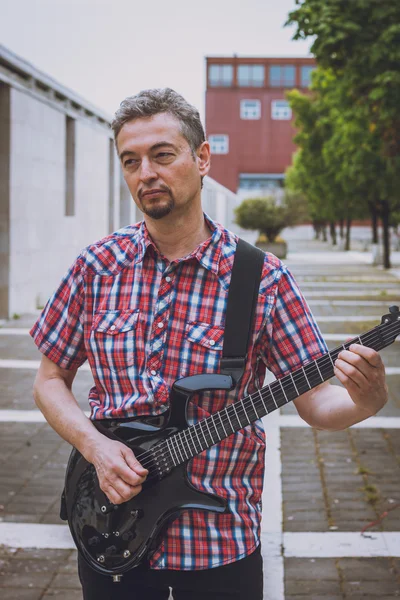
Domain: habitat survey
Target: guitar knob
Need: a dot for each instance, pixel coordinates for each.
(93, 541)
(394, 310)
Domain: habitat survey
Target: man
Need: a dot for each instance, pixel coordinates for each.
(146, 306)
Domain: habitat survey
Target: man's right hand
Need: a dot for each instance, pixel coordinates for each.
(120, 474)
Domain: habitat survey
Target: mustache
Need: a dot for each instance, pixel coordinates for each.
(162, 188)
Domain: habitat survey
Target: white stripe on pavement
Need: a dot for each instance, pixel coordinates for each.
(14, 331)
(340, 544)
(358, 303)
(371, 423)
(272, 520)
(343, 337)
(345, 318)
(391, 292)
(34, 535)
(326, 544)
(29, 364)
(24, 416)
(271, 423)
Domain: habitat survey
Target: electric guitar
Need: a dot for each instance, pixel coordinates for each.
(115, 538)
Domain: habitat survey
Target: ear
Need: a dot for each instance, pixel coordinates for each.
(204, 158)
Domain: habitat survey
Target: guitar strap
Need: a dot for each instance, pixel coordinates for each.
(242, 301)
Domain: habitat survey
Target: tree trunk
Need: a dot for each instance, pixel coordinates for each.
(332, 228)
(374, 217)
(386, 234)
(324, 234)
(341, 225)
(348, 229)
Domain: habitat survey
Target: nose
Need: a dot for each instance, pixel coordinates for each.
(147, 172)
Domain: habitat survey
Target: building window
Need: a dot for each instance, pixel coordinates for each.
(251, 75)
(250, 109)
(219, 144)
(280, 110)
(306, 75)
(220, 75)
(70, 127)
(282, 75)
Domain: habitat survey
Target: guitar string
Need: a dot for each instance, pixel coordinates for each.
(177, 442)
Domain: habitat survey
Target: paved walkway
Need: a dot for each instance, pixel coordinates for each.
(321, 489)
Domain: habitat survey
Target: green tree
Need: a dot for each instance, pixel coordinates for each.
(358, 42)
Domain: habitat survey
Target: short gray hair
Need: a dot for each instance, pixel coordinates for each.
(161, 100)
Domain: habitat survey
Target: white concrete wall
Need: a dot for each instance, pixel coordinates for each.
(43, 240)
(219, 203)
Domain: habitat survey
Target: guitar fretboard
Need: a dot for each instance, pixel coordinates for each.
(193, 440)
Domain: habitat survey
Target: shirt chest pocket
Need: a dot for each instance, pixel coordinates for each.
(114, 338)
(204, 343)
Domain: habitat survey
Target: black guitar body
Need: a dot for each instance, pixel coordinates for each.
(113, 539)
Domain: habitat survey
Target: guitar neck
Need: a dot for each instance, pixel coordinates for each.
(193, 440)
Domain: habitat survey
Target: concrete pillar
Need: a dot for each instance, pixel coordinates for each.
(5, 126)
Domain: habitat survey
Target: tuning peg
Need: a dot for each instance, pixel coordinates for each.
(394, 310)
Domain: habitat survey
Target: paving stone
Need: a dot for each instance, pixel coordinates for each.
(17, 388)
(21, 594)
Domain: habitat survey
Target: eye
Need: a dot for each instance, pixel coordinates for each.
(129, 162)
(164, 154)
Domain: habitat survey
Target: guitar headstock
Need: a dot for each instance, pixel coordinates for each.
(392, 321)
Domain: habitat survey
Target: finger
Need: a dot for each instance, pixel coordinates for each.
(122, 490)
(354, 361)
(113, 496)
(370, 355)
(360, 374)
(124, 473)
(351, 386)
(133, 463)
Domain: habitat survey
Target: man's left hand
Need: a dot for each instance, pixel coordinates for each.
(361, 371)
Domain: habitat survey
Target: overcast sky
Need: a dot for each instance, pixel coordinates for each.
(106, 50)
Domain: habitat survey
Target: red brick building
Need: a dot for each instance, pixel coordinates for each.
(249, 121)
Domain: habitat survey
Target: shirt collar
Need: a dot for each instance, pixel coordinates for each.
(208, 253)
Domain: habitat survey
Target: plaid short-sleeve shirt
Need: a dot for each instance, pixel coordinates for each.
(143, 322)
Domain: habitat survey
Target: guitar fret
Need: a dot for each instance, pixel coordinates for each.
(359, 339)
(190, 438)
(230, 422)
(330, 358)
(273, 397)
(262, 400)
(316, 364)
(215, 427)
(198, 439)
(209, 431)
(283, 390)
(246, 415)
(182, 438)
(305, 375)
(170, 451)
(222, 423)
(254, 408)
(295, 386)
(177, 437)
(239, 421)
(202, 433)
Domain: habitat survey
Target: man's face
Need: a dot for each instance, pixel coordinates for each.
(158, 165)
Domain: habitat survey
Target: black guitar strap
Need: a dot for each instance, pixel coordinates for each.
(242, 301)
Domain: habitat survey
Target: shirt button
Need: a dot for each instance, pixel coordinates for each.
(112, 327)
(168, 279)
(153, 372)
(212, 342)
(160, 325)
